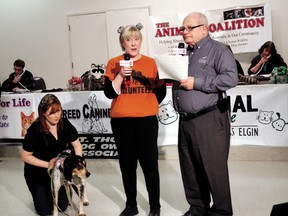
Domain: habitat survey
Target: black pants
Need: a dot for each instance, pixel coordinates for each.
(203, 153)
(280, 209)
(42, 197)
(136, 140)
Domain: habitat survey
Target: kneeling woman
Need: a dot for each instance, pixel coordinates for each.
(48, 136)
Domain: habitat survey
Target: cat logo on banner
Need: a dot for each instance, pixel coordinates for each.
(26, 122)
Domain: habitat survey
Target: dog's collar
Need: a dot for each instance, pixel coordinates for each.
(60, 162)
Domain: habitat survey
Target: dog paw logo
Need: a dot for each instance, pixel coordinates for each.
(265, 117)
(167, 114)
(94, 123)
(279, 123)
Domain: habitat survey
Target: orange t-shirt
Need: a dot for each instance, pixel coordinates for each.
(135, 100)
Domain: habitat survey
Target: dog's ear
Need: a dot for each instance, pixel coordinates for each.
(72, 152)
(79, 158)
(72, 162)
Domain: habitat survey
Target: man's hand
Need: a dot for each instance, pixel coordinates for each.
(16, 89)
(188, 83)
(16, 79)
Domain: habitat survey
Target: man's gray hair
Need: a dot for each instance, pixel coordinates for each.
(202, 17)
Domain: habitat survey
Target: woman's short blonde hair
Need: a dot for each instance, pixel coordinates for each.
(127, 32)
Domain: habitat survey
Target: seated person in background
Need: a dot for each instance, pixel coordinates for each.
(267, 59)
(19, 79)
(241, 76)
(239, 67)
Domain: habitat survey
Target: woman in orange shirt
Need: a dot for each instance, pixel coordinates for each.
(136, 91)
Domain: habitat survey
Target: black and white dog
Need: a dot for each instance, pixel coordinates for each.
(70, 169)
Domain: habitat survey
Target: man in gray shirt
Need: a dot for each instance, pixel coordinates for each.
(204, 126)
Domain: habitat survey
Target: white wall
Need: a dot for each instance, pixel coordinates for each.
(37, 30)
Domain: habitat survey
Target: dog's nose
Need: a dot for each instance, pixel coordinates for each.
(88, 174)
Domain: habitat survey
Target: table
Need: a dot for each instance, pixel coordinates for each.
(258, 115)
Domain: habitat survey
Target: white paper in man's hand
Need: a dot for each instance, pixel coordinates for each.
(173, 67)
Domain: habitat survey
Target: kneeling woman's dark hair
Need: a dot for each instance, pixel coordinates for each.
(47, 102)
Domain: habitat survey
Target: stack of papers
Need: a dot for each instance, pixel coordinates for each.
(173, 67)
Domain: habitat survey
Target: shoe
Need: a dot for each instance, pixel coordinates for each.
(129, 211)
(154, 212)
(188, 213)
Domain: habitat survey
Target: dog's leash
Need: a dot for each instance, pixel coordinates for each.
(67, 189)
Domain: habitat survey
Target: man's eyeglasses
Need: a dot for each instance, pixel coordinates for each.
(18, 69)
(189, 28)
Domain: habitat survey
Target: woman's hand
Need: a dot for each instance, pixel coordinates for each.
(264, 59)
(29, 158)
(52, 163)
(125, 71)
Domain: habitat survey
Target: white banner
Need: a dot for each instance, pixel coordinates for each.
(163, 34)
(88, 111)
(17, 112)
(168, 121)
(245, 29)
(259, 116)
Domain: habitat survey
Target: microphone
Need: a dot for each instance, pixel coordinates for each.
(183, 50)
(180, 50)
(127, 62)
(181, 45)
